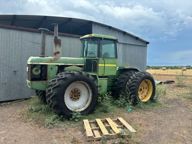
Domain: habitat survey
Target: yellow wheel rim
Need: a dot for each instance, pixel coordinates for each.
(145, 90)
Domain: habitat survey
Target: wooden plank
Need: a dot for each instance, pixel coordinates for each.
(88, 130)
(128, 126)
(113, 126)
(97, 134)
(102, 127)
(107, 126)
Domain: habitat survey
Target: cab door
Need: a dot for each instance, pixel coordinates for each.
(108, 57)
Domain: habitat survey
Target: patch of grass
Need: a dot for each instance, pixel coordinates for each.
(180, 81)
(161, 91)
(44, 116)
(41, 114)
(104, 106)
(76, 116)
(188, 95)
(147, 105)
(122, 101)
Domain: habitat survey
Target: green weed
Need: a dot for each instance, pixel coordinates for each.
(52, 120)
(41, 114)
(76, 116)
(105, 104)
(123, 101)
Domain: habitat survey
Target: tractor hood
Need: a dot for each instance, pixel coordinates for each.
(53, 61)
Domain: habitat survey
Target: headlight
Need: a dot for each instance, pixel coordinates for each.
(36, 70)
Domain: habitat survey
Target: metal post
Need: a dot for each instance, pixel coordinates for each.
(43, 37)
(55, 30)
(57, 43)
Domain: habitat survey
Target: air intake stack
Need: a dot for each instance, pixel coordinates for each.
(43, 37)
(57, 43)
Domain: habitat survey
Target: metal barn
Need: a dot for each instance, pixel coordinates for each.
(20, 38)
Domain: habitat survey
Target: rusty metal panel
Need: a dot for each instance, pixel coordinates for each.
(15, 48)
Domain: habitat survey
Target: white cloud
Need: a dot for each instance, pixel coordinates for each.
(85, 4)
(150, 18)
(160, 22)
(135, 18)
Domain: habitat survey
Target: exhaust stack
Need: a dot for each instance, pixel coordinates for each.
(43, 37)
(57, 43)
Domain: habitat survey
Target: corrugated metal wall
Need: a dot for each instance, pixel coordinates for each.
(132, 56)
(131, 51)
(71, 46)
(15, 48)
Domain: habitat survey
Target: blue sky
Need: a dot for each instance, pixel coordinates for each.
(166, 24)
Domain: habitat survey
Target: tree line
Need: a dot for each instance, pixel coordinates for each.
(169, 67)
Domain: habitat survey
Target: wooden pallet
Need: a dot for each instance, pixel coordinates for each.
(106, 128)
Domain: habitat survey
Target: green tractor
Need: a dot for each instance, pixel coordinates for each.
(70, 85)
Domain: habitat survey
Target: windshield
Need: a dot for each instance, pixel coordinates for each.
(90, 48)
(94, 47)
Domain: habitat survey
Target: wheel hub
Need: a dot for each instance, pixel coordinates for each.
(75, 94)
(78, 96)
(145, 90)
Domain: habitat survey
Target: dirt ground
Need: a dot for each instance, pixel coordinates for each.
(170, 122)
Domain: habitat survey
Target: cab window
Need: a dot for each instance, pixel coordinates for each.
(108, 49)
(90, 48)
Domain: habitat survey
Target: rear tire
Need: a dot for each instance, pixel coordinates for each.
(119, 86)
(141, 88)
(72, 92)
(41, 95)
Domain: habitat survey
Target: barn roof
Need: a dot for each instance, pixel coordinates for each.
(67, 25)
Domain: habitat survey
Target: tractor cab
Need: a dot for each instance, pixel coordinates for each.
(100, 53)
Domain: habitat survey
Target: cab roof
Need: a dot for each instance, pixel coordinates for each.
(98, 36)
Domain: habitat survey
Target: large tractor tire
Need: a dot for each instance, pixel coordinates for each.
(141, 87)
(119, 84)
(72, 92)
(41, 95)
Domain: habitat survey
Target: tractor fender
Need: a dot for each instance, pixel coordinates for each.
(121, 70)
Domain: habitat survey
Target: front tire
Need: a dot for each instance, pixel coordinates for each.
(72, 92)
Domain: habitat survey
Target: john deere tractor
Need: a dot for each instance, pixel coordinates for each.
(70, 84)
